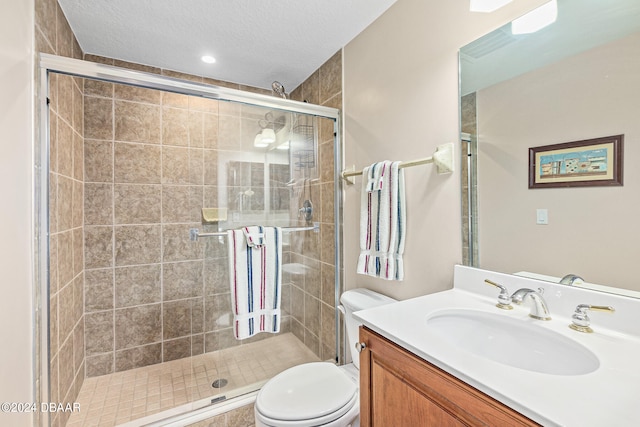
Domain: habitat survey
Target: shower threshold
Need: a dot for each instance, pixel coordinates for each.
(146, 395)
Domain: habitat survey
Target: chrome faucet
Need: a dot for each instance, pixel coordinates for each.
(504, 300)
(570, 279)
(539, 308)
(580, 320)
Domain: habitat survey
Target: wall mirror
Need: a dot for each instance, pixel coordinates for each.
(576, 79)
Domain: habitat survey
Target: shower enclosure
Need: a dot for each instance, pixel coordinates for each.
(134, 309)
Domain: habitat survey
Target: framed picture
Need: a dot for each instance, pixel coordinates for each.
(587, 163)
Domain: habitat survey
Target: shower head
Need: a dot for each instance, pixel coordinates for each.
(279, 89)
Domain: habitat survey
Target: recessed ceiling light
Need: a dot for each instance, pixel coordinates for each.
(208, 59)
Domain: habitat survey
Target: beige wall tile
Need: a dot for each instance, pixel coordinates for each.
(176, 319)
(210, 167)
(217, 312)
(98, 290)
(196, 129)
(137, 326)
(176, 204)
(99, 332)
(137, 122)
(100, 364)
(137, 244)
(65, 203)
(98, 118)
(312, 314)
(98, 88)
(78, 156)
(182, 280)
(98, 209)
(137, 285)
(175, 165)
(331, 77)
(210, 130)
(176, 349)
(78, 251)
(65, 258)
(196, 167)
(98, 161)
(77, 213)
(137, 94)
(65, 98)
(176, 245)
(175, 100)
(98, 244)
(65, 365)
(137, 163)
(137, 357)
(65, 148)
(175, 126)
(137, 204)
(216, 276)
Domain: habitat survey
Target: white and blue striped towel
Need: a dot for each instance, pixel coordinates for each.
(382, 221)
(255, 273)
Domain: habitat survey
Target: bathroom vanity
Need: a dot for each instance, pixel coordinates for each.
(400, 389)
(454, 358)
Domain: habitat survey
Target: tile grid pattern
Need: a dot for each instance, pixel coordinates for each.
(313, 293)
(151, 294)
(124, 396)
(53, 35)
(66, 327)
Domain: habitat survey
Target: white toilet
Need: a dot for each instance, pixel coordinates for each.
(320, 393)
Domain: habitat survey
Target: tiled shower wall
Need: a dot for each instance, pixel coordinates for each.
(66, 326)
(151, 164)
(313, 294)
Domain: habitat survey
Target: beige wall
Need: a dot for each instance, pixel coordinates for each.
(16, 128)
(401, 101)
(593, 231)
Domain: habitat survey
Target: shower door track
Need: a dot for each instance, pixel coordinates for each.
(85, 69)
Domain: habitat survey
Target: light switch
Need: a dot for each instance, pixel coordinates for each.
(542, 217)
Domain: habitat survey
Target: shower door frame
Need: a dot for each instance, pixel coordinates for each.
(91, 70)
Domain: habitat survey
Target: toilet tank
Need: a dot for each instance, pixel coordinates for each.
(355, 300)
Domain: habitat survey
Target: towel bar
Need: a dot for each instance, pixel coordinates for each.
(442, 157)
(194, 233)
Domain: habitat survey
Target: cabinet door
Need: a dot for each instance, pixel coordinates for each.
(399, 389)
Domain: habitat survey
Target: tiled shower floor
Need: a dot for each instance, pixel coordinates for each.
(117, 398)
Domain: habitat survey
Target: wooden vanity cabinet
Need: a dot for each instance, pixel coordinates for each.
(399, 389)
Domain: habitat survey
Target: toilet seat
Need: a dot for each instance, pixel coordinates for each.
(307, 395)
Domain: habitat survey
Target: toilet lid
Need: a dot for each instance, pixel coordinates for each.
(307, 391)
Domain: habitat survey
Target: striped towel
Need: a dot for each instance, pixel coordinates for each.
(382, 221)
(255, 273)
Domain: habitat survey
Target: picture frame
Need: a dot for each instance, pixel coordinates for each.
(586, 163)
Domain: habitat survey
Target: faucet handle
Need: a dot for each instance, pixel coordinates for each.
(581, 320)
(504, 300)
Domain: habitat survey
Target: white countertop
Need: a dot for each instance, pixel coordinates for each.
(608, 396)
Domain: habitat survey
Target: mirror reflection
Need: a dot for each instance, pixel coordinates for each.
(576, 79)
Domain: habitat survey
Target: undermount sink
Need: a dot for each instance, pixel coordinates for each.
(512, 342)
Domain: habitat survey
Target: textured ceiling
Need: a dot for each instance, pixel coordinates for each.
(254, 41)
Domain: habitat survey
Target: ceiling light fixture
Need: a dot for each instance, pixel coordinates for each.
(268, 135)
(486, 5)
(208, 59)
(258, 142)
(537, 19)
